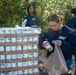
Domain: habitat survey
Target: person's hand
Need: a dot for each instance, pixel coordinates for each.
(57, 42)
(34, 26)
(44, 44)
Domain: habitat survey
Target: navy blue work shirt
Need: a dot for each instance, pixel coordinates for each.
(66, 35)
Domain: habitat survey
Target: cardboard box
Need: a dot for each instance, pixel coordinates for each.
(21, 45)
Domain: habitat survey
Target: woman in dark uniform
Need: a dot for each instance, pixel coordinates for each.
(62, 35)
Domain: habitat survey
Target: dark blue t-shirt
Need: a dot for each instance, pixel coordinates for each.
(72, 23)
(33, 20)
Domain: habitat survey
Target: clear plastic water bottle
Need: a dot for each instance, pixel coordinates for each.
(24, 23)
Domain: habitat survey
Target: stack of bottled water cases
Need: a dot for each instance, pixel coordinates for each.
(15, 58)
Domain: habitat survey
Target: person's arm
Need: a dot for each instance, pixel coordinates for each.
(65, 46)
(42, 39)
(68, 46)
(39, 22)
(71, 25)
(74, 30)
(34, 26)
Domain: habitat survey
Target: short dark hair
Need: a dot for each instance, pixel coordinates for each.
(54, 17)
(33, 7)
(73, 10)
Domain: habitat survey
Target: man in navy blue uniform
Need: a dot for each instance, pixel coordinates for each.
(72, 24)
(61, 35)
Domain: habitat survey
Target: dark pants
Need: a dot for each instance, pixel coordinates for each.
(75, 64)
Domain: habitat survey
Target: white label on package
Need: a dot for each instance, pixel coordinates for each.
(7, 31)
(19, 48)
(14, 64)
(2, 57)
(31, 71)
(20, 72)
(18, 31)
(35, 38)
(8, 48)
(8, 56)
(8, 65)
(14, 73)
(29, 38)
(25, 63)
(8, 39)
(24, 39)
(1, 48)
(13, 48)
(14, 56)
(24, 30)
(36, 70)
(7, 73)
(19, 64)
(19, 56)
(13, 39)
(19, 39)
(35, 54)
(25, 71)
(2, 39)
(30, 55)
(25, 47)
(35, 62)
(13, 32)
(30, 63)
(35, 47)
(3, 65)
(25, 55)
(2, 31)
(29, 47)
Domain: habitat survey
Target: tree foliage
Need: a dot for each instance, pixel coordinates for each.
(13, 11)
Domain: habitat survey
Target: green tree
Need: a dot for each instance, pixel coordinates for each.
(13, 11)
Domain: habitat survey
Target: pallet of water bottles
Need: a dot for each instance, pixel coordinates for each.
(19, 51)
